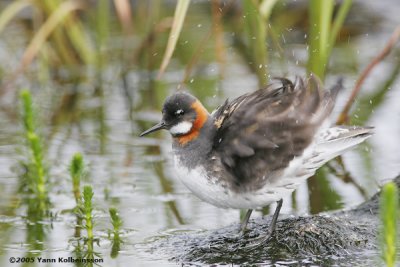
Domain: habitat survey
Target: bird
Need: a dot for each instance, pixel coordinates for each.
(258, 148)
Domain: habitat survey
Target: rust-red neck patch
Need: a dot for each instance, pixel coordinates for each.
(201, 118)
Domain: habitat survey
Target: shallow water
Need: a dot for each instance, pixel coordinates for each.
(136, 175)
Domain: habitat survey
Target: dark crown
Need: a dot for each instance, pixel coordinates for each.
(178, 101)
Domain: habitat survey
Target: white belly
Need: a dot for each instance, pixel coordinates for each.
(216, 193)
(210, 190)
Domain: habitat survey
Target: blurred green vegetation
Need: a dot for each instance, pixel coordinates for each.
(83, 42)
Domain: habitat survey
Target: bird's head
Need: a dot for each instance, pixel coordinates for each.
(183, 116)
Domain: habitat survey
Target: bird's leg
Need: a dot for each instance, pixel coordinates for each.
(245, 221)
(236, 237)
(271, 229)
(272, 226)
(243, 226)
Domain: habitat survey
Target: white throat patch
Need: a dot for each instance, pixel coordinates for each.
(181, 128)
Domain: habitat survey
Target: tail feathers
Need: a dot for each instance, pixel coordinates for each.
(334, 141)
(330, 143)
(338, 133)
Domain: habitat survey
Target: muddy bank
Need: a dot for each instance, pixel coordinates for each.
(330, 237)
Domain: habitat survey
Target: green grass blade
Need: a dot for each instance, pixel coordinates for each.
(11, 11)
(77, 36)
(323, 33)
(319, 39)
(389, 214)
(256, 29)
(339, 20)
(57, 17)
(73, 27)
(102, 22)
(179, 17)
(266, 7)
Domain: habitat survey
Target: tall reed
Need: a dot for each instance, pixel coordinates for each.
(179, 17)
(323, 33)
(256, 29)
(56, 28)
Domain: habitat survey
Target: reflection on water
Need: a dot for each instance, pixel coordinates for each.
(102, 121)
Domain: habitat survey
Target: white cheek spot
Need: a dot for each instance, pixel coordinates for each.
(179, 112)
(181, 128)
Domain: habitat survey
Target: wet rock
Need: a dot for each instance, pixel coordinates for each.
(319, 239)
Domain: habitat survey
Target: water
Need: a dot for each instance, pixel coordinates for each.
(136, 175)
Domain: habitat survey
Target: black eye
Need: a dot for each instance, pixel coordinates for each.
(179, 112)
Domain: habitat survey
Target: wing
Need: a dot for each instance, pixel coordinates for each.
(259, 133)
